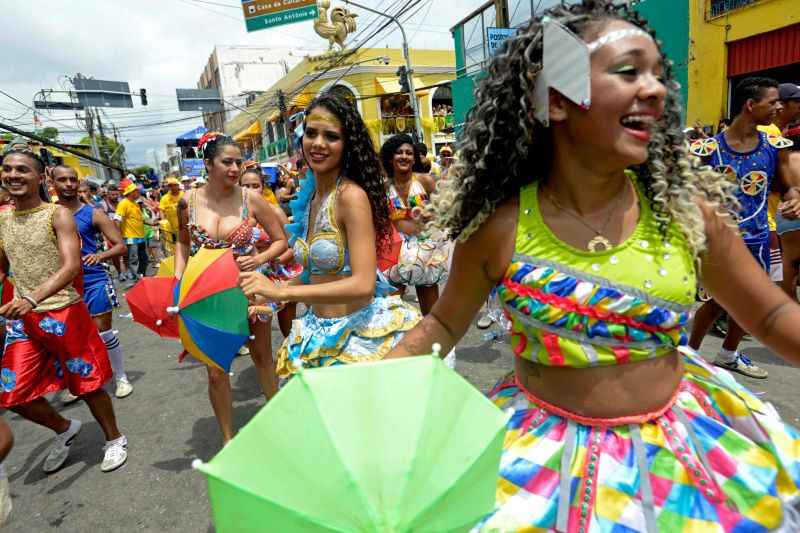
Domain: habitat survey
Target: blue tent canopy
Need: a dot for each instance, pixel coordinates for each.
(190, 138)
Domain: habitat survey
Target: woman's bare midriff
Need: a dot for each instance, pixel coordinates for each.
(604, 392)
(336, 310)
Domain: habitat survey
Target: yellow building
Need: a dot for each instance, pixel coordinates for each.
(734, 39)
(83, 167)
(369, 78)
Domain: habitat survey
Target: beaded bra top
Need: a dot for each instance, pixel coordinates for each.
(242, 239)
(417, 198)
(575, 308)
(320, 246)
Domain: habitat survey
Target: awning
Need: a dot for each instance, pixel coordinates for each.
(253, 131)
(190, 138)
(275, 116)
(392, 85)
(301, 100)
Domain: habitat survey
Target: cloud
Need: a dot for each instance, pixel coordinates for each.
(160, 45)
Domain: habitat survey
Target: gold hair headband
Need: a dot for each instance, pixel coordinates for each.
(329, 119)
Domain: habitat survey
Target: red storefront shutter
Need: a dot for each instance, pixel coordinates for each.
(765, 51)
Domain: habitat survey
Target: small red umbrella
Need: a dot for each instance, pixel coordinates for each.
(149, 300)
(389, 254)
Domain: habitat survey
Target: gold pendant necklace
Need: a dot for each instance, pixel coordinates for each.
(599, 243)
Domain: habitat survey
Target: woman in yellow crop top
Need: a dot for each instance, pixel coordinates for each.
(340, 213)
(590, 221)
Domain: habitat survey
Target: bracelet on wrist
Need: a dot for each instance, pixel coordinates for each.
(31, 301)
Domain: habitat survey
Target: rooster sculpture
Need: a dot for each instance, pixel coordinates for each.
(342, 23)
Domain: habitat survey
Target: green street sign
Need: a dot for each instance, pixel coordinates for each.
(273, 17)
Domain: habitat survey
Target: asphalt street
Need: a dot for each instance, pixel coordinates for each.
(169, 422)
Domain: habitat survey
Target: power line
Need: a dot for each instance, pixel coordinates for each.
(61, 147)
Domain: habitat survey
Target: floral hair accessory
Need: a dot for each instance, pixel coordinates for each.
(208, 136)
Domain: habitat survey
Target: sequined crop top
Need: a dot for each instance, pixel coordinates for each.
(242, 239)
(417, 198)
(580, 309)
(325, 252)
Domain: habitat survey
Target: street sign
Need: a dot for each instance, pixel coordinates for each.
(193, 167)
(206, 100)
(263, 14)
(495, 37)
(44, 104)
(102, 93)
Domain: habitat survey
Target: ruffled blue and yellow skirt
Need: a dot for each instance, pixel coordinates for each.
(366, 335)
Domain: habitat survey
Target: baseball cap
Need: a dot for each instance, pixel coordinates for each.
(129, 189)
(789, 91)
(173, 181)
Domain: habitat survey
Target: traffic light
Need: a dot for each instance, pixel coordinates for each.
(143, 95)
(402, 73)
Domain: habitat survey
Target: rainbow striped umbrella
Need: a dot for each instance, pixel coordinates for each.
(211, 308)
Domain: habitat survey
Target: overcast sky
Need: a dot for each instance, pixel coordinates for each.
(159, 45)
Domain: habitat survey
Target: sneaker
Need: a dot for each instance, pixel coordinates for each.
(743, 365)
(59, 450)
(124, 388)
(485, 321)
(5, 497)
(116, 453)
(66, 397)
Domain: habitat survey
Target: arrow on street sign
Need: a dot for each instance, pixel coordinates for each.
(263, 14)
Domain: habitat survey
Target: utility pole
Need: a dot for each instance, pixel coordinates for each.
(98, 170)
(283, 109)
(119, 147)
(156, 161)
(418, 134)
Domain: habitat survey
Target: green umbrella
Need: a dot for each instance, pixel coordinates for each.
(394, 446)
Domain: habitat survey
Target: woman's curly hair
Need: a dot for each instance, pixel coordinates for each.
(492, 167)
(389, 149)
(360, 162)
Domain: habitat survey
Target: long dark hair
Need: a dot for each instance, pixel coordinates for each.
(360, 162)
(389, 149)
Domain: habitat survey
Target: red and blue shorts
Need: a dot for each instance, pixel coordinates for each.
(49, 351)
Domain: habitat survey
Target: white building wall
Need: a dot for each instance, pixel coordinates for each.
(251, 68)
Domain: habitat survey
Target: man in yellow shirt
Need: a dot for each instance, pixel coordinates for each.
(169, 207)
(131, 223)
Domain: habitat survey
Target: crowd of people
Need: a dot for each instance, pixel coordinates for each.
(582, 209)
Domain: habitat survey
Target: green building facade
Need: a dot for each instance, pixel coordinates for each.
(669, 18)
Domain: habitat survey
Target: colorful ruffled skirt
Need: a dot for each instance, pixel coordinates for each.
(366, 335)
(422, 261)
(715, 459)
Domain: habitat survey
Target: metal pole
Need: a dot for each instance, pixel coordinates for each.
(413, 96)
(103, 139)
(93, 142)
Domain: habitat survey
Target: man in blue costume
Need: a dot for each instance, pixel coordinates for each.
(753, 159)
(98, 291)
